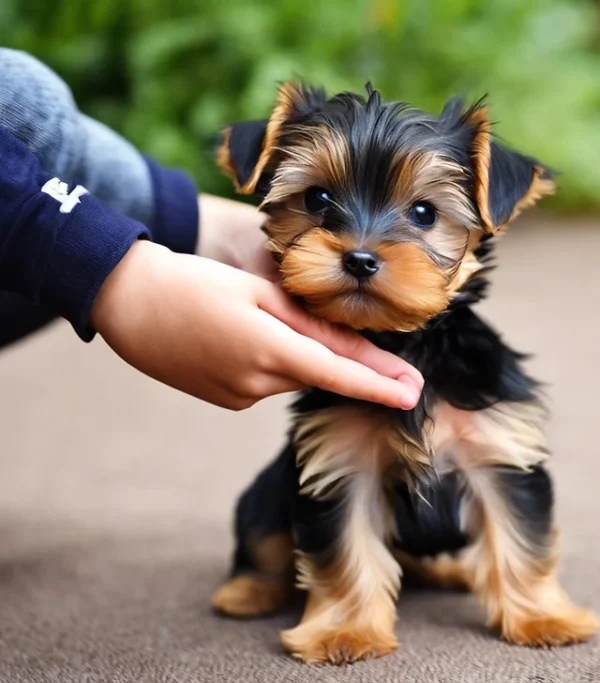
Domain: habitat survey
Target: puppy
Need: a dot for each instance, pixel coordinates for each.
(382, 218)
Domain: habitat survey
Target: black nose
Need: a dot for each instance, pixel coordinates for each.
(361, 263)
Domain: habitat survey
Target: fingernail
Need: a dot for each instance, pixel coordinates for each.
(410, 397)
(415, 383)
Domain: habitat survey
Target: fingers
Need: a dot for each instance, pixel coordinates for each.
(312, 364)
(342, 341)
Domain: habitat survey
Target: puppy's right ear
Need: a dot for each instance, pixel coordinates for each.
(239, 153)
(249, 149)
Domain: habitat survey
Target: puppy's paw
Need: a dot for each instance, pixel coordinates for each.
(338, 646)
(249, 595)
(444, 571)
(574, 626)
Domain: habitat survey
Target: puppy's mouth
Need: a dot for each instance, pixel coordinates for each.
(385, 287)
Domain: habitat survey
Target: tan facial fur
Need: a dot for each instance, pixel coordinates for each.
(408, 290)
(419, 267)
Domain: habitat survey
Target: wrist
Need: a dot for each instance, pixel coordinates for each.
(215, 226)
(226, 224)
(118, 301)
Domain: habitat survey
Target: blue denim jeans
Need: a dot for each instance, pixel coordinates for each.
(38, 107)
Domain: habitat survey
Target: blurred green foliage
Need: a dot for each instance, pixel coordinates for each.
(169, 73)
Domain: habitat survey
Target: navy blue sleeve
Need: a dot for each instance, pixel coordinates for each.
(175, 219)
(57, 242)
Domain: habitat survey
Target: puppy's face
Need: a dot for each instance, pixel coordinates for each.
(374, 209)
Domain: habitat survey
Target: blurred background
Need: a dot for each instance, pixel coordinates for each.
(116, 493)
(169, 74)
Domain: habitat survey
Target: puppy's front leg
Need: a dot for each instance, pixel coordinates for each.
(508, 514)
(342, 525)
(352, 579)
(514, 555)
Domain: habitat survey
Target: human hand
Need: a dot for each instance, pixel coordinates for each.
(231, 234)
(231, 338)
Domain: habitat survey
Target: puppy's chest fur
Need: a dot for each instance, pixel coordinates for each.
(478, 408)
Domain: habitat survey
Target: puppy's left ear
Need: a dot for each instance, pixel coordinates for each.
(249, 149)
(505, 182)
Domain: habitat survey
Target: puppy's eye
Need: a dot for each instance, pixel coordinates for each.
(422, 214)
(316, 199)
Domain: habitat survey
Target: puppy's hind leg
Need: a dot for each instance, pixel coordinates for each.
(261, 580)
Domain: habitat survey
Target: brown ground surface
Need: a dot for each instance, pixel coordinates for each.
(116, 497)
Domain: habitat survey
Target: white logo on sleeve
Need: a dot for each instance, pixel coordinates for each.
(60, 191)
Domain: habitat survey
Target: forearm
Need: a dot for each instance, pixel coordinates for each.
(57, 243)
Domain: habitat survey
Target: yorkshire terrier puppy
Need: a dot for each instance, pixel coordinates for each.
(381, 217)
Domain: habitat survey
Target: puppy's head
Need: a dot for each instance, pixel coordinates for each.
(375, 209)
